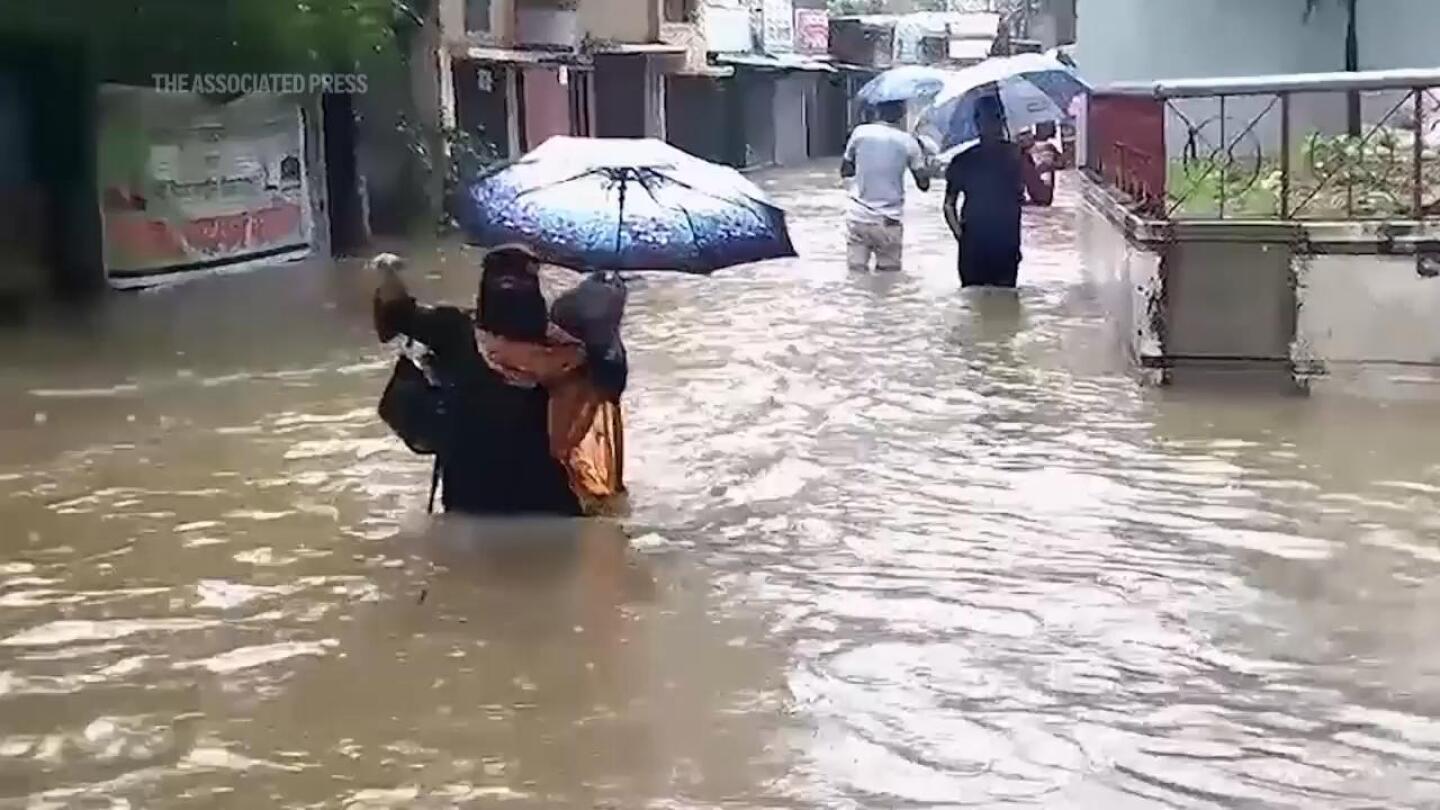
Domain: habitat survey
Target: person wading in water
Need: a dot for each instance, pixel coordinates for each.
(534, 423)
(995, 176)
(877, 157)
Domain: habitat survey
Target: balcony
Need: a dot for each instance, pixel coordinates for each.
(550, 24)
(1288, 225)
(1273, 148)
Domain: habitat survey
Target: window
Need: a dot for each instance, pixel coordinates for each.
(677, 11)
(477, 15)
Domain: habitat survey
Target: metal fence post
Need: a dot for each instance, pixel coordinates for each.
(1224, 157)
(1419, 192)
(1285, 155)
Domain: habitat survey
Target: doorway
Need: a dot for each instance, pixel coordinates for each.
(342, 176)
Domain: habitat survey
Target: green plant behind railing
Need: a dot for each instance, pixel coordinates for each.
(1331, 177)
(1197, 187)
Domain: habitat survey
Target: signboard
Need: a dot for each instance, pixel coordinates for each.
(727, 29)
(185, 182)
(974, 26)
(970, 51)
(778, 26)
(812, 31)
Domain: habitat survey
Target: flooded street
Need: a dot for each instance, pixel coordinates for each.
(892, 546)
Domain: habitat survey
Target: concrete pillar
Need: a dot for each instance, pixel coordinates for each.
(654, 99)
(432, 87)
(313, 117)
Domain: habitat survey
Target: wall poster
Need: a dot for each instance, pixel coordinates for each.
(186, 182)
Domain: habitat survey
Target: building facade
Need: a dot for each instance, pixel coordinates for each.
(757, 87)
(109, 182)
(1139, 41)
(514, 73)
(1146, 40)
(1232, 223)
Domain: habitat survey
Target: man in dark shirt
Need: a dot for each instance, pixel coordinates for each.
(995, 176)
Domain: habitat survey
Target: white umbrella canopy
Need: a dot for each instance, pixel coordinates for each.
(1033, 89)
(904, 83)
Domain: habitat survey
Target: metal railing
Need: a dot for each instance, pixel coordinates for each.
(1272, 147)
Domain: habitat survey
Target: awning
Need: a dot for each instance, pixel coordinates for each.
(652, 48)
(846, 67)
(706, 72)
(517, 56)
(760, 61)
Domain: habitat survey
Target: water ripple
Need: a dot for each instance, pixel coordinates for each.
(895, 546)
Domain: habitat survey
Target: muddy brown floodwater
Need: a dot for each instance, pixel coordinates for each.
(893, 546)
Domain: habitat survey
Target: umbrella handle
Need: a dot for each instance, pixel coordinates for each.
(620, 219)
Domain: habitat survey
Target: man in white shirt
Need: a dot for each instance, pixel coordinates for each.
(877, 157)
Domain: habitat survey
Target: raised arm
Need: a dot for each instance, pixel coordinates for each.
(397, 313)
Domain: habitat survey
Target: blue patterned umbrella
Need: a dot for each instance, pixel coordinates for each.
(625, 204)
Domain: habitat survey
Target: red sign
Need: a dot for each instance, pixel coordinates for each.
(161, 241)
(812, 30)
(185, 181)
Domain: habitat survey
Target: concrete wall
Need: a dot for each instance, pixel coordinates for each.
(539, 24)
(1230, 298)
(1367, 327)
(1367, 308)
(1147, 40)
(1126, 278)
(621, 20)
(1143, 40)
(1399, 34)
(399, 192)
(451, 14)
(313, 118)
